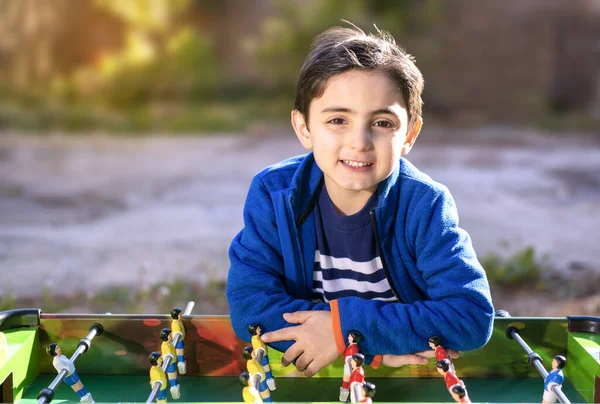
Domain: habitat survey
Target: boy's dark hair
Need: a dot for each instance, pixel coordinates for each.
(459, 389)
(356, 336)
(339, 50)
(435, 340)
(51, 349)
(444, 364)
(561, 361)
(358, 358)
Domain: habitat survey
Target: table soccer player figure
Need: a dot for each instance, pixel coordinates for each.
(255, 370)
(249, 393)
(444, 367)
(440, 351)
(3, 348)
(459, 394)
(368, 391)
(555, 377)
(357, 377)
(167, 349)
(258, 345)
(178, 327)
(61, 362)
(354, 338)
(157, 375)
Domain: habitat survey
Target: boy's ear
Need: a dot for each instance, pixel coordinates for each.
(411, 136)
(301, 128)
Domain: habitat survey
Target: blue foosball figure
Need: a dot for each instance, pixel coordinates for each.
(61, 362)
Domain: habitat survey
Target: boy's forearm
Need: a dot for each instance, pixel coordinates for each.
(397, 328)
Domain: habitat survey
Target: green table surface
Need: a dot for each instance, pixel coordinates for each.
(115, 389)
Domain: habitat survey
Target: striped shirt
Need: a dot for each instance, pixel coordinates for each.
(346, 260)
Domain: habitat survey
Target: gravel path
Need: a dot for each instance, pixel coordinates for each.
(81, 213)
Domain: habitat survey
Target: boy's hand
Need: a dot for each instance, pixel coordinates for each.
(315, 345)
(419, 358)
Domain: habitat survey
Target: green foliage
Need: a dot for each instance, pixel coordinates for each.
(520, 269)
(286, 37)
(160, 297)
(579, 122)
(7, 300)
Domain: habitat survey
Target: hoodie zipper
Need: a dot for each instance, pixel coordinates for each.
(385, 268)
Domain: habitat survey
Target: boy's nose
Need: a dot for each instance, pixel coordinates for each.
(361, 139)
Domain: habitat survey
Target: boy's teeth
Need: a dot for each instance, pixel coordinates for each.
(356, 163)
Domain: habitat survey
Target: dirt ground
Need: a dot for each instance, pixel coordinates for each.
(81, 213)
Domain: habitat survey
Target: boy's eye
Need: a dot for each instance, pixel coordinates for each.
(384, 124)
(337, 121)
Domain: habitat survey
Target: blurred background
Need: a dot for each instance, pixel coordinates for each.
(130, 131)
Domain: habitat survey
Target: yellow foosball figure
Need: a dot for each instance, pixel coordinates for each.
(157, 375)
(177, 327)
(258, 345)
(249, 392)
(167, 349)
(255, 370)
(3, 349)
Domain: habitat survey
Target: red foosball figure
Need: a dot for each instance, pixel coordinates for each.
(440, 351)
(459, 394)
(354, 338)
(357, 378)
(368, 391)
(444, 367)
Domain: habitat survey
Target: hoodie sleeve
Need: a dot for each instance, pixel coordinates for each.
(458, 305)
(256, 285)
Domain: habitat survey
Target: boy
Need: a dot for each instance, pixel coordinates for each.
(61, 362)
(352, 236)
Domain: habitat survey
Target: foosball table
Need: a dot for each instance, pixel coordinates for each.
(114, 365)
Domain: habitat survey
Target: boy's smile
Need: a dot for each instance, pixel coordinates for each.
(358, 130)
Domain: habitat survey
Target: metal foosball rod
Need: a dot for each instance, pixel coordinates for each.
(47, 394)
(536, 361)
(168, 359)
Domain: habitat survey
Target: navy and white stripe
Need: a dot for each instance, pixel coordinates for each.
(346, 260)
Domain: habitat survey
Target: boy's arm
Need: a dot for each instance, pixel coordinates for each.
(256, 289)
(459, 306)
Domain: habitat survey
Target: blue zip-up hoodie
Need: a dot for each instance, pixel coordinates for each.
(429, 261)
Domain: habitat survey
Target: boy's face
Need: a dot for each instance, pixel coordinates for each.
(358, 130)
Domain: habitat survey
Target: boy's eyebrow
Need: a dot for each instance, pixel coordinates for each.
(388, 111)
